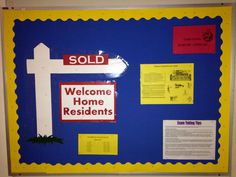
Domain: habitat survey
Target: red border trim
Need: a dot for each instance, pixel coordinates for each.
(89, 83)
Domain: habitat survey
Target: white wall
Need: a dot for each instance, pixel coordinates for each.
(2, 3)
(108, 3)
(105, 4)
(3, 154)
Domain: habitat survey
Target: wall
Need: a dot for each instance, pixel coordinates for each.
(108, 4)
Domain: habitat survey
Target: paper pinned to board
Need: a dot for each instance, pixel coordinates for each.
(189, 139)
(167, 83)
(98, 144)
(195, 39)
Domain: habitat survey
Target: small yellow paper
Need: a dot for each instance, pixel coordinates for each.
(98, 144)
(167, 83)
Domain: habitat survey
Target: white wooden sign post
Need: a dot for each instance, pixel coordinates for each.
(42, 67)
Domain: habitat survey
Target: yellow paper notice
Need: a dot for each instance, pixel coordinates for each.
(98, 144)
(167, 83)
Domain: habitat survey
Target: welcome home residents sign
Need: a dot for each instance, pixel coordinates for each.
(88, 101)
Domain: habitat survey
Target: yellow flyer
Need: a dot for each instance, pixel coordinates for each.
(98, 144)
(167, 83)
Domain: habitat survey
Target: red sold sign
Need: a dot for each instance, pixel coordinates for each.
(85, 59)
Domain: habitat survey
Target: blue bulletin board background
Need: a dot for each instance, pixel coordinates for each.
(139, 127)
(139, 37)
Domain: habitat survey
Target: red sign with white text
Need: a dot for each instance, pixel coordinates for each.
(85, 59)
(197, 39)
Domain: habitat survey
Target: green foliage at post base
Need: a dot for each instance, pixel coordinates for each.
(45, 139)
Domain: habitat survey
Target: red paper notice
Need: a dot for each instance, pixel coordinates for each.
(194, 39)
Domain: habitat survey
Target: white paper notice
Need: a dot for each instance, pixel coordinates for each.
(189, 139)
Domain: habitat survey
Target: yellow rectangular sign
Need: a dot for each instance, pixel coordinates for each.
(98, 144)
(167, 83)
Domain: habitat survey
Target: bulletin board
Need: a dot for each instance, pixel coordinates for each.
(118, 91)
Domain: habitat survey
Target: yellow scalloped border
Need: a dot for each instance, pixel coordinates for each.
(221, 167)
